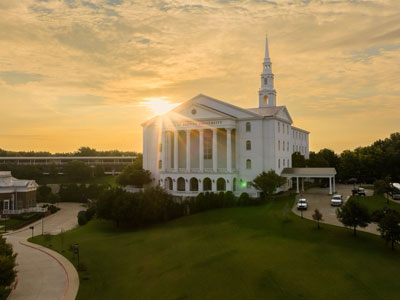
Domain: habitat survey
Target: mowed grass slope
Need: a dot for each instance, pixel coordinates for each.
(263, 252)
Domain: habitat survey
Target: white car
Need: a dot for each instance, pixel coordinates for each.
(337, 200)
(302, 204)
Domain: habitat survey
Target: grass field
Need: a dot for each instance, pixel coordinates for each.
(263, 252)
(106, 179)
(377, 203)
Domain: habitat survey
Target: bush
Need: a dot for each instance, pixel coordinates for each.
(90, 212)
(52, 208)
(82, 220)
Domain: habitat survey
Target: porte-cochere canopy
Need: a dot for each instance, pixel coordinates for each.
(311, 173)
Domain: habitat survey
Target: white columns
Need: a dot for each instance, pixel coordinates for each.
(229, 150)
(330, 185)
(297, 186)
(188, 150)
(334, 186)
(215, 150)
(201, 146)
(174, 185)
(200, 185)
(176, 150)
(213, 185)
(163, 151)
(302, 184)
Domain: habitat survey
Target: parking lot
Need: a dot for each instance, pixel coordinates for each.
(319, 198)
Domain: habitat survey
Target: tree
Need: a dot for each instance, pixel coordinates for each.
(98, 171)
(353, 214)
(317, 216)
(86, 151)
(134, 174)
(7, 265)
(389, 227)
(43, 193)
(53, 170)
(77, 169)
(383, 187)
(268, 182)
(298, 160)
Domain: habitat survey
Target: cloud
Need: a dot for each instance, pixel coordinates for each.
(331, 59)
(15, 78)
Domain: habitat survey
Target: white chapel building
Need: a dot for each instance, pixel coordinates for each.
(206, 144)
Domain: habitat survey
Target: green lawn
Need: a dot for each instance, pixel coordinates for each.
(107, 179)
(377, 203)
(263, 252)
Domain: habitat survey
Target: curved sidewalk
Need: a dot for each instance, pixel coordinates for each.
(42, 273)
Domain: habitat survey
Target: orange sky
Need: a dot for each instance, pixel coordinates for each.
(75, 73)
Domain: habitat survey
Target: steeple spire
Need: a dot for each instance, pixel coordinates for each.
(266, 58)
(267, 93)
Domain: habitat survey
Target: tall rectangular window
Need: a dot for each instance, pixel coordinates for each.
(207, 144)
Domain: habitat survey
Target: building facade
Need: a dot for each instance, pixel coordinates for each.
(16, 196)
(206, 144)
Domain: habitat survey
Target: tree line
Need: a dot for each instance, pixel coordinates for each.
(82, 151)
(366, 164)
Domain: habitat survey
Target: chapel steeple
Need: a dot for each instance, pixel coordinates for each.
(267, 93)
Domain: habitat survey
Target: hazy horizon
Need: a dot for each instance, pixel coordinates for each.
(78, 73)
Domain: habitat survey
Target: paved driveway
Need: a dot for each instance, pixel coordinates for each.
(319, 198)
(42, 273)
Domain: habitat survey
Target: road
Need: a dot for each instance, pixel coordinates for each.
(319, 198)
(42, 273)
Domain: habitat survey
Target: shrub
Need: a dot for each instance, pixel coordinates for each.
(90, 212)
(82, 218)
(244, 199)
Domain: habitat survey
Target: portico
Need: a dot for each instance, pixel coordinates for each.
(301, 173)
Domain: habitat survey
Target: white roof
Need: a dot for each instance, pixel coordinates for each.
(7, 181)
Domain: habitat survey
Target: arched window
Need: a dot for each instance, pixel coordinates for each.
(207, 184)
(160, 164)
(287, 146)
(283, 146)
(283, 162)
(248, 145)
(288, 163)
(265, 99)
(248, 164)
(279, 163)
(279, 145)
(194, 184)
(279, 127)
(181, 184)
(248, 126)
(265, 81)
(221, 184)
(168, 183)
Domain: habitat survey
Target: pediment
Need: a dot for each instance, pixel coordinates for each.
(199, 112)
(216, 106)
(284, 115)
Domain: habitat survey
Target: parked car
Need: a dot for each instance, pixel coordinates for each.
(337, 200)
(396, 196)
(302, 204)
(358, 191)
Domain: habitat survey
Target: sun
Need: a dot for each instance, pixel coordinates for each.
(159, 106)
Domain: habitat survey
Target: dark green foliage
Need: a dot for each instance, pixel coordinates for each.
(82, 220)
(90, 212)
(389, 226)
(82, 151)
(353, 214)
(7, 265)
(298, 160)
(22, 171)
(52, 208)
(268, 182)
(77, 170)
(134, 174)
(151, 206)
(72, 193)
(98, 171)
(43, 193)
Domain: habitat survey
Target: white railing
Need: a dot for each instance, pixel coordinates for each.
(23, 210)
(197, 170)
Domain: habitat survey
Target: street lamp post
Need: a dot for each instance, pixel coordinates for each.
(31, 227)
